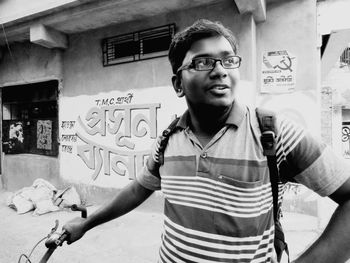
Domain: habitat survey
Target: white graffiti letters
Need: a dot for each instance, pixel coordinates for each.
(124, 121)
(122, 162)
(122, 115)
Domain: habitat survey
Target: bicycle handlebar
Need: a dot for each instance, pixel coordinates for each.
(56, 239)
(47, 255)
(52, 243)
(61, 239)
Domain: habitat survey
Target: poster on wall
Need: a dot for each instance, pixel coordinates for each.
(15, 142)
(278, 73)
(44, 134)
(346, 140)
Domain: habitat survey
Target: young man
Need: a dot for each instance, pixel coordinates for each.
(215, 178)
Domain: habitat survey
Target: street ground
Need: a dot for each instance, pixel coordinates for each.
(133, 238)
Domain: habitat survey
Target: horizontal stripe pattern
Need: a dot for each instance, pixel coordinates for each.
(289, 136)
(211, 195)
(218, 199)
(181, 244)
(209, 219)
(240, 162)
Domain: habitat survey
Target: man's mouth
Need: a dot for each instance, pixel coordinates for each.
(219, 87)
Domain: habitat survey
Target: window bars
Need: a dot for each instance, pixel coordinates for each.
(140, 45)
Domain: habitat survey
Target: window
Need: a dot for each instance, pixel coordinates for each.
(345, 57)
(30, 118)
(136, 46)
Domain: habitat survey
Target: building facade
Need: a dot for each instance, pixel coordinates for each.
(86, 85)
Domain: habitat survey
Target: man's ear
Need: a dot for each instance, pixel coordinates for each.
(177, 85)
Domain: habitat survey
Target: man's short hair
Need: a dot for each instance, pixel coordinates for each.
(201, 29)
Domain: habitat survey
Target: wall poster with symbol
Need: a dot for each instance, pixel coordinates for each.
(278, 72)
(345, 138)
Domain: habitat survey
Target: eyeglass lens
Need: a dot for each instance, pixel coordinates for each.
(209, 63)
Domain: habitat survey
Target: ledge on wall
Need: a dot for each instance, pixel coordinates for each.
(48, 37)
(256, 7)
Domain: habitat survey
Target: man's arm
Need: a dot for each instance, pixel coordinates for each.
(334, 243)
(129, 198)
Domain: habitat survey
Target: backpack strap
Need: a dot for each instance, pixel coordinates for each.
(163, 141)
(267, 124)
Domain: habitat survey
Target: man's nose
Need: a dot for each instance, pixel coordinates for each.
(218, 70)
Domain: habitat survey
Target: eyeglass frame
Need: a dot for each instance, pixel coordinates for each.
(191, 65)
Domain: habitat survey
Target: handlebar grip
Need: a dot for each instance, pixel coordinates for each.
(62, 238)
(56, 239)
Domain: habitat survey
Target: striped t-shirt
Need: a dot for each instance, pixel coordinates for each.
(218, 199)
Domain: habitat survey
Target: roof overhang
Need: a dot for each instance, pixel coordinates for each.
(74, 16)
(60, 18)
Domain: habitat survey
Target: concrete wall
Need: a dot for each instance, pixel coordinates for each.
(326, 115)
(291, 26)
(22, 169)
(346, 115)
(29, 63)
(85, 80)
(83, 68)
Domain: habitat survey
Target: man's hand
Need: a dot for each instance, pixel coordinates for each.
(126, 200)
(75, 229)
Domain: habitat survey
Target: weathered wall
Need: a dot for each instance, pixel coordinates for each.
(106, 152)
(291, 26)
(83, 68)
(22, 169)
(104, 143)
(346, 115)
(28, 63)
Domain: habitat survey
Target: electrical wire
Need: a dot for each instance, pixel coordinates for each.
(11, 54)
(31, 252)
(24, 255)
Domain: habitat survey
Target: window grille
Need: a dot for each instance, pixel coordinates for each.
(345, 57)
(140, 45)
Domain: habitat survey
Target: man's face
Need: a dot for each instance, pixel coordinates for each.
(208, 88)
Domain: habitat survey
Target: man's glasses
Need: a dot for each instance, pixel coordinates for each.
(208, 63)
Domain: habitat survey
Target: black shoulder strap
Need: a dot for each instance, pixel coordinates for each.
(164, 138)
(267, 123)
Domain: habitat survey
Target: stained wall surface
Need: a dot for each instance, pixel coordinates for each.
(109, 116)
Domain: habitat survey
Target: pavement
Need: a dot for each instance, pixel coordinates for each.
(133, 238)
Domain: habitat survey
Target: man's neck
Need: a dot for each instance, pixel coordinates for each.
(207, 121)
